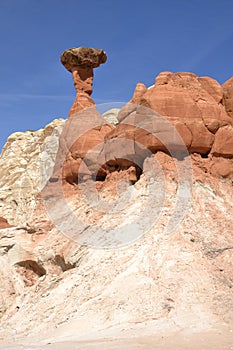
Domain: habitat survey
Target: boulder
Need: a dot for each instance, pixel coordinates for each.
(184, 98)
(84, 57)
(222, 167)
(223, 142)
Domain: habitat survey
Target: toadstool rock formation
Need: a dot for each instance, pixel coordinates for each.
(92, 128)
(80, 62)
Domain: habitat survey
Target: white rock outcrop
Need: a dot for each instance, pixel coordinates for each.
(26, 164)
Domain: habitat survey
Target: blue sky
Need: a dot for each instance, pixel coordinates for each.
(141, 38)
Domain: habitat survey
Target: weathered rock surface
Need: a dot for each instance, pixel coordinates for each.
(26, 163)
(82, 101)
(131, 106)
(84, 57)
(223, 142)
(228, 96)
(193, 105)
(183, 98)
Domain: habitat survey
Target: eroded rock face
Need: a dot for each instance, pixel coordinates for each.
(81, 62)
(201, 108)
(228, 96)
(195, 102)
(26, 163)
(82, 101)
(131, 106)
(194, 105)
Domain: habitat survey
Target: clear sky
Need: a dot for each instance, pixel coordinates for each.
(141, 38)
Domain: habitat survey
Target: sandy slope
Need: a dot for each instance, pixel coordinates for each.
(219, 339)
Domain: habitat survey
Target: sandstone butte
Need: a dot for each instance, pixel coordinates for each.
(65, 187)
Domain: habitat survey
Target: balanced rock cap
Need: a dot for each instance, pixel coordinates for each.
(84, 57)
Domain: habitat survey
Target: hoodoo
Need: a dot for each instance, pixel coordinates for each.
(81, 62)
